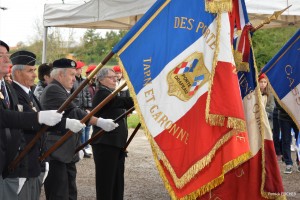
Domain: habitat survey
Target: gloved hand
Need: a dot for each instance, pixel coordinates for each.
(46, 172)
(49, 117)
(106, 124)
(74, 125)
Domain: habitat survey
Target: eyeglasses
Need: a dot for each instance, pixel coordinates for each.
(111, 77)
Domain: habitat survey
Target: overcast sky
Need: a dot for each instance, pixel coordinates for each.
(18, 22)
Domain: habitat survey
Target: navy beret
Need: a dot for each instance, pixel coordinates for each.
(5, 45)
(64, 63)
(23, 58)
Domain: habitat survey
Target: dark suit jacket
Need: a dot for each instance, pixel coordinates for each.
(112, 110)
(53, 96)
(10, 136)
(30, 165)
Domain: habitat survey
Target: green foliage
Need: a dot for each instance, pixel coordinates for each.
(94, 47)
(133, 120)
(267, 42)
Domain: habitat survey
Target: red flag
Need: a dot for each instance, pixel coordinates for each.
(259, 177)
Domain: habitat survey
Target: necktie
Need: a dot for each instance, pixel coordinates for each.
(30, 95)
(33, 103)
(6, 98)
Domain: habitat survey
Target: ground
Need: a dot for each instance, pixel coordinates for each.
(142, 181)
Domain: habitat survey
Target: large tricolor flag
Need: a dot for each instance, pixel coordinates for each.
(259, 177)
(283, 72)
(180, 70)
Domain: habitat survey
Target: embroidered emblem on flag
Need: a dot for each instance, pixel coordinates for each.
(187, 77)
(197, 82)
(186, 67)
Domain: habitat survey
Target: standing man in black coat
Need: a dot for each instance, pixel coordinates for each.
(10, 124)
(108, 150)
(23, 73)
(61, 181)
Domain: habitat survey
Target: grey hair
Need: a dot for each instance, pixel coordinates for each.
(56, 71)
(103, 73)
(16, 67)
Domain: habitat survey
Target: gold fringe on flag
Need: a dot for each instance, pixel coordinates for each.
(218, 6)
(208, 116)
(209, 186)
(237, 124)
(216, 120)
(198, 166)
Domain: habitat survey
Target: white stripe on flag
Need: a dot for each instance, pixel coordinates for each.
(292, 101)
(172, 107)
(252, 115)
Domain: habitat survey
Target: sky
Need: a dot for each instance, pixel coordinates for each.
(19, 21)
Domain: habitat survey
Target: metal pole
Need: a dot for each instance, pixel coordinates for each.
(44, 56)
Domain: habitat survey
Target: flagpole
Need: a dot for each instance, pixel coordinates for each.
(44, 128)
(132, 136)
(101, 131)
(83, 120)
(274, 16)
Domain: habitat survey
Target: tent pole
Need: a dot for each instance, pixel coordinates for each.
(44, 58)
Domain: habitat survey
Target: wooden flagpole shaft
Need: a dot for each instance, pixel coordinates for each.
(101, 132)
(44, 128)
(132, 136)
(83, 120)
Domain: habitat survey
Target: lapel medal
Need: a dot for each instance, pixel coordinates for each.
(32, 107)
(20, 107)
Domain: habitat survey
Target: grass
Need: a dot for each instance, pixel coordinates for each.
(133, 120)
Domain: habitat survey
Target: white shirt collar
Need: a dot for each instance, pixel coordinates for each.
(26, 89)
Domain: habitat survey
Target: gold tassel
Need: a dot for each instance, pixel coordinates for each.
(217, 6)
(240, 65)
(216, 120)
(236, 124)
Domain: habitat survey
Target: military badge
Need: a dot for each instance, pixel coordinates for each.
(187, 77)
(32, 107)
(20, 107)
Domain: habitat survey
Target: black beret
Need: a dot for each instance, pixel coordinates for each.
(5, 45)
(64, 63)
(23, 58)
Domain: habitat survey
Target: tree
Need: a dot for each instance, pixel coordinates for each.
(267, 42)
(94, 47)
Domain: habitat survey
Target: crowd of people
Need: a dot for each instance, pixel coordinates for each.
(282, 126)
(27, 107)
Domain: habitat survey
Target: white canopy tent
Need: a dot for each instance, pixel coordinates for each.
(116, 14)
(102, 14)
(259, 10)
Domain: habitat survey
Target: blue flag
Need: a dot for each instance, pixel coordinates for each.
(283, 72)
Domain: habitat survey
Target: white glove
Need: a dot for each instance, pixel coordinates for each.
(74, 125)
(106, 124)
(80, 154)
(21, 184)
(49, 117)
